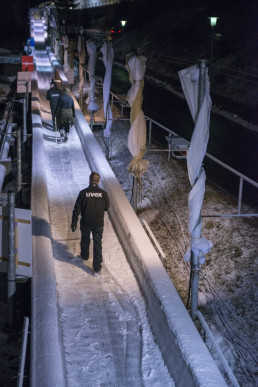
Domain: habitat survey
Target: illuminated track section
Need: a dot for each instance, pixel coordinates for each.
(102, 320)
(89, 331)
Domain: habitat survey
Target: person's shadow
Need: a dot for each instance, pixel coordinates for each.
(40, 227)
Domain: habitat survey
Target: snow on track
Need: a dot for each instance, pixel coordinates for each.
(106, 335)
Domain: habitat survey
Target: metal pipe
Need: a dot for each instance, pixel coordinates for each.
(202, 82)
(150, 128)
(134, 204)
(11, 266)
(23, 352)
(24, 120)
(19, 169)
(195, 264)
(240, 194)
(211, 55)
(230, 216)
(27, 96)
(107, 142)
(161, 252)
(91, 119)
(215, 345)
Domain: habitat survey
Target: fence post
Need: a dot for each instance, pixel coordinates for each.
(11, 267)
(19, 169)
(134, 203)
(24, 120)
(240, 195)
(150, 127)
(195, 265)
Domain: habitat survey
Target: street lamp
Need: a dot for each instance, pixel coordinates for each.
(213, 22)
(123, 23)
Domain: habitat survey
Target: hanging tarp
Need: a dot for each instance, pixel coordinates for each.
(136, 66)
(189, 80)
(92, 52)
(81, 50)
(65, 50)
(108, 56)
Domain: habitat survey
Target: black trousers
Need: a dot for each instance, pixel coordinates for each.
(97, 233)
(53, 119)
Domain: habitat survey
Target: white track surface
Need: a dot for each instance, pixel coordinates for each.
(106, 336)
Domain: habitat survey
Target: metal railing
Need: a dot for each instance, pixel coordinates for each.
(116, 99)
(241, 176)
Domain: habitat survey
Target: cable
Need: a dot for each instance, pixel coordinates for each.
(217, 306)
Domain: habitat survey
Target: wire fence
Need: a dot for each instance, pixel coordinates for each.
(93, 4)
(217, 68)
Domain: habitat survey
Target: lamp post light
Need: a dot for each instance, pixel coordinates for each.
(213, 22)
(123, 23)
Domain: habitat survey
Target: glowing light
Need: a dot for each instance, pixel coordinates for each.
(213, 21)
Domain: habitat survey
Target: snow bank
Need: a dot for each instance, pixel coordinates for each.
(184, 352)
(46, 348)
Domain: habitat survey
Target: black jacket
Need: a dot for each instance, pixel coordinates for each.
(91, 204)
(53, 96)
(65, 102)
(58, 81)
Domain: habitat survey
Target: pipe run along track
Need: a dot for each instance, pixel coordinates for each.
(127, 327)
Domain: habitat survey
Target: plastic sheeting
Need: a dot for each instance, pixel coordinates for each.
(92, 52)
(189, 80)
(81, 50)
(65, 44)
(108, 56)
(136, 66)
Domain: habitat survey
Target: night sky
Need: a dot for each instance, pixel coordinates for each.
(238, 18)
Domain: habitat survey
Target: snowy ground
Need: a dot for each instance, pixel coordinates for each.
(228, 277)
(107, 338)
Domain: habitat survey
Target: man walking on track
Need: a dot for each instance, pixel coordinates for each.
(53, 95)
(91, 204)
(65, 113)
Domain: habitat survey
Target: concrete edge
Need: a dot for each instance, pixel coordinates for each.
(46, 357)
(175, 333)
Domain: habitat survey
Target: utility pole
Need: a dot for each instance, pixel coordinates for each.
(213, 22)
(134, 199)
(195, 265)
(11, 268)
(19, 169)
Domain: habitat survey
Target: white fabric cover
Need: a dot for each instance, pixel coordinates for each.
(81, 50)
(65, 44)
(136, 66)
(92, 52)
(108, 56)
(189, 80)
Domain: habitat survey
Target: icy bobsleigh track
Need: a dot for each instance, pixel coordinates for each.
(187, 362)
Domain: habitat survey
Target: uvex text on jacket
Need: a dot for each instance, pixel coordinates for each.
(53, 96)
(91, 204)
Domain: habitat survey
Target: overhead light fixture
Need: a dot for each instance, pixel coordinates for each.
(213, 20)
